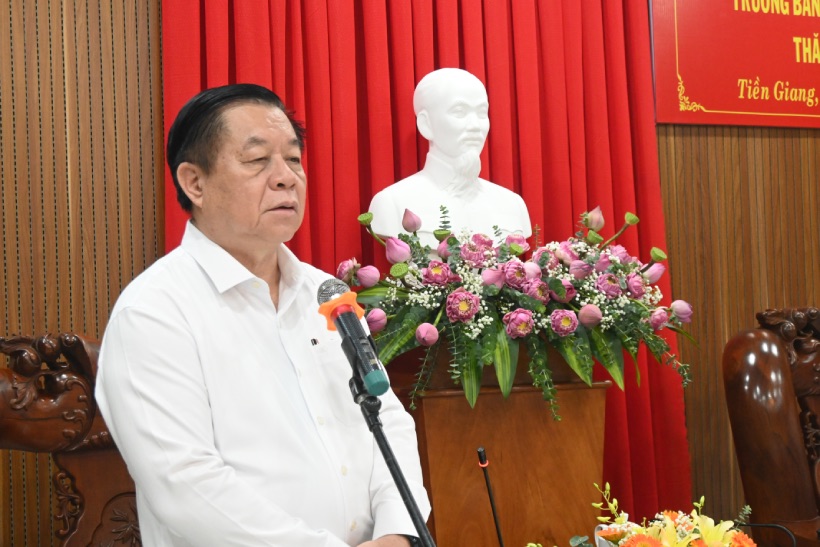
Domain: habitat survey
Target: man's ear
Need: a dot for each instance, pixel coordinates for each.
(423, 125)
(191, 179)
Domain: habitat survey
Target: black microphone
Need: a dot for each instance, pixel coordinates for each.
(338, 304)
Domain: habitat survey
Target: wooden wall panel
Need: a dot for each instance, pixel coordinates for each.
(81, 163)
(741, 206)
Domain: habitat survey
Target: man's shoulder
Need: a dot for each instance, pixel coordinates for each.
(175, 273)
(313, 275)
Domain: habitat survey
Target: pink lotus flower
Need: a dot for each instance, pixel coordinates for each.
(368, 276)
(376, 319)
(397, 250)
(436, 273)
(538, 290)
(658, 318)
(518, 239)
(518, 323)
(594, 220)
(346, 270)
(443, 250)
(475, 251)
(461, 305)
(569, 292)
(654, 272)
(609, 285)
(426, 334)
(590, 315)
(514, 273)
(410, 221)
(482, 240)
(634, 285)
(622, 254)
(492, 276)
(545, 255)
(564, 322)
(580, 269)
(682, 310)
(565, 253)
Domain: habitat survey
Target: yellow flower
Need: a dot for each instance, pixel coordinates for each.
(713, 535)
(666, 532)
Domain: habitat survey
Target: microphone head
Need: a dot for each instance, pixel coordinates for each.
(330, 289)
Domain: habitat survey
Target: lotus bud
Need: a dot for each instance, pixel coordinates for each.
(532, 270)
(657, 254)
(590, 315)
(594, 220)
(376, 319)
(580, 269)
(368, 276)
(631, 219)
(426, 334)
(443, 250)
(397, 250)
(410, 221)
(346, 270)
(658, 318)
(492, 276)
(603, 263)
(654, 272)
(682, 310)
(366, 218)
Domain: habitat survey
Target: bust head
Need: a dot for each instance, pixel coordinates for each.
(451, 112)
(451, 108)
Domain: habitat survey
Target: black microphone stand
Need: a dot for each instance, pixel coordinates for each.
(370, 405)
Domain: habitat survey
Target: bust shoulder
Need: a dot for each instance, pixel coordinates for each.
(500, 195)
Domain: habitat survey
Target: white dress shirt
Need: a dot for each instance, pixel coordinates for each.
(235, 417)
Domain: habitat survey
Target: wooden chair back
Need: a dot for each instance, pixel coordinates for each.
(47, 405)
(772, 381)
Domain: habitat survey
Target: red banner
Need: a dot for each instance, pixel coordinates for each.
(737, 62)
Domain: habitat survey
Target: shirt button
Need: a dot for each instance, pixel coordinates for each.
(344, 470)
(352, 525)
(256, 284)
(320, 420)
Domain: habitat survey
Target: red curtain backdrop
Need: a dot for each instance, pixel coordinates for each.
(571, 114)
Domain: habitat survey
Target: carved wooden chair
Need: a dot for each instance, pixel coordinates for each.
(47, 405)
(772, 381)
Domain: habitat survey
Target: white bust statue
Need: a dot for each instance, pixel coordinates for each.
(451, 112)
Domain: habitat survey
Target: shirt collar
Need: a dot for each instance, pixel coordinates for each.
(226, 272)
(219, 265)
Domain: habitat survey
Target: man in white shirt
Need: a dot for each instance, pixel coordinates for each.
(220, 383)
(451, 109)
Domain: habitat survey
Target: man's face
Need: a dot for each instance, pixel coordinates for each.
(254, 195)
(458, 118)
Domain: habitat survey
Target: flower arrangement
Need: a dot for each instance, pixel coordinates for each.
(478, 295)
(668, 528)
